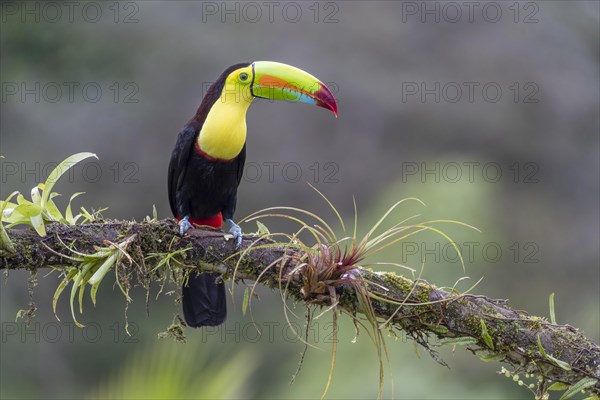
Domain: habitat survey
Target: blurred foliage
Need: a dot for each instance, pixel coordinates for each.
(170, 371)
(40, 51)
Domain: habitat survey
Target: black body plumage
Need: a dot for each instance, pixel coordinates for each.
(201, 187)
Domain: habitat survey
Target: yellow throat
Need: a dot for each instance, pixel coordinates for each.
(223, 133)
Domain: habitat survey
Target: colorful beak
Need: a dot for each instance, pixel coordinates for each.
(277, 81)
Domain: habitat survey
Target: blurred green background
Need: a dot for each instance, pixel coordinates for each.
(489, 114)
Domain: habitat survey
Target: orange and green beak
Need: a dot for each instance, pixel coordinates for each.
(277, 81)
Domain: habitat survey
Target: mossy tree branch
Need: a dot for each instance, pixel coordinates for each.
(488, 327)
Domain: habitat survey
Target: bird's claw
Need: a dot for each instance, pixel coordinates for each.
(236, 231)
(184, 225)
(354, 273)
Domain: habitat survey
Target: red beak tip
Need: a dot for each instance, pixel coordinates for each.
(334, 109)
(325, 99)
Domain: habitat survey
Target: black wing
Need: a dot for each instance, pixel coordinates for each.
(241, 161)
(178, 167)
(238, 169)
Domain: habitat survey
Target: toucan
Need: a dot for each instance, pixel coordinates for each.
(208, 160)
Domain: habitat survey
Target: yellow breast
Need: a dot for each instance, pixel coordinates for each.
(223, 133)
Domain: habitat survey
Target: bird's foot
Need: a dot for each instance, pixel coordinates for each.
(184, 225)
(236, 231)
(353, 273)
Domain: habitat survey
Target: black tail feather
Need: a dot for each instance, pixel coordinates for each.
(204, 302)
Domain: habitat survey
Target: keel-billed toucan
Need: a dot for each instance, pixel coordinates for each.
(208, 160)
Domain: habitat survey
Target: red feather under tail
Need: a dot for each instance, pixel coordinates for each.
(216, 221)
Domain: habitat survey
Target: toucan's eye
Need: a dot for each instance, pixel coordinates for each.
(243, 76)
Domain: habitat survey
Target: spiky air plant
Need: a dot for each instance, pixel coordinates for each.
(332, 264)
